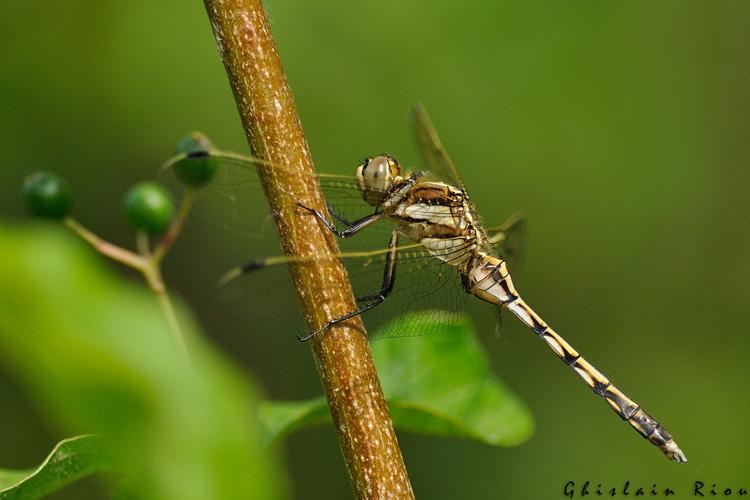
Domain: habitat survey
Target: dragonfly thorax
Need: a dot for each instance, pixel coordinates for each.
(376, 176)
(438, 216)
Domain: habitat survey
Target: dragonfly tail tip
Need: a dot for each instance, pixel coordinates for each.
(675, 453)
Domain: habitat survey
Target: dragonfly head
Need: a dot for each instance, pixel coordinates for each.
(376, 176)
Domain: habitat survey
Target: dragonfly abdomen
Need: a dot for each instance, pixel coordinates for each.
(488, 278)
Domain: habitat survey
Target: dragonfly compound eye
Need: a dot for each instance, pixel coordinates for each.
(375, 177)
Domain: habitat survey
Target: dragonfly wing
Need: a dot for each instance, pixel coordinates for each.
(422, 283)
(234, 199)
(509, 239)
(433, 153)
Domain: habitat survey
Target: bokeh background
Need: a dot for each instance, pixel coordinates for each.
(621, 129)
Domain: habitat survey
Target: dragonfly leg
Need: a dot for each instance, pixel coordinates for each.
(389, 273)
(351, 229)
(389, 278)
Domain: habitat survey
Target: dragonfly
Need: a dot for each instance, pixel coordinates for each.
(432, 219)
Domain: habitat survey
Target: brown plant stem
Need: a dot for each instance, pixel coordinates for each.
(342, 354)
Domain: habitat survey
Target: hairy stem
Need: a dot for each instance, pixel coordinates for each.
(342, 354)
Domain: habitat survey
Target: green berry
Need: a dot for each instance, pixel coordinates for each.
(47, 195)
(198, 167)
(148, 207)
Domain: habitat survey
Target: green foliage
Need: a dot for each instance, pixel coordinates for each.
(96, 357)
(442, 384)
(279, 418)
(198, 169)
(71, 459)
(435, 384)
(148, 207)
(47, 195)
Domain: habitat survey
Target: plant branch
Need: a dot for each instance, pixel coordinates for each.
(152, 273)
(174, 326)
(104, 247)
(175, 228)
(342, 354)
(144, 262)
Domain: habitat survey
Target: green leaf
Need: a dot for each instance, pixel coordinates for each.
(95, 355)
(435, 384)
(279, 418)
(442, 384)
(70, 459)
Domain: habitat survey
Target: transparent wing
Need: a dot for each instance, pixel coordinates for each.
(423, 282)
(433, 153)
(234, 198)
(509, 239)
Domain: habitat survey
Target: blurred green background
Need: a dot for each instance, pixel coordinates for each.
(621, 130)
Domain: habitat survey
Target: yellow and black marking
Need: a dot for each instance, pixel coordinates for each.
(488, 279)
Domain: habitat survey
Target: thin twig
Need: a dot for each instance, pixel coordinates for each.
(174, 326)
(178, 223)
(147, 264)
(342, 354)
(142, 244)
(152, 273)
(104, 247)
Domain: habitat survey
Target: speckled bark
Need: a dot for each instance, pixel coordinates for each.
(342, 355)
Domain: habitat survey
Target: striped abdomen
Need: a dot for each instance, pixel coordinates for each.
(487, 277)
